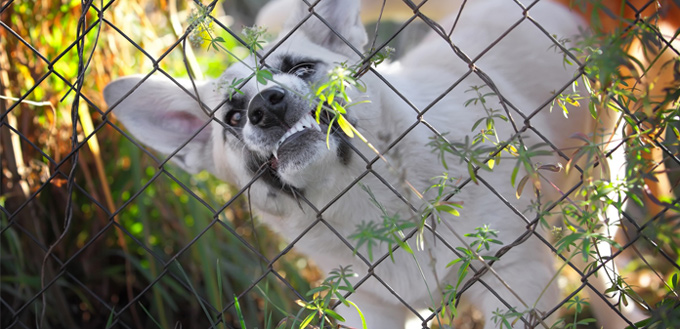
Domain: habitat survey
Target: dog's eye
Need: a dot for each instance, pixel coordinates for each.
(303, 70)
(234, 118)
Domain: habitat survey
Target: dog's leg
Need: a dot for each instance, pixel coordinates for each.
(601, 306)
(607, 317)
(601, 302)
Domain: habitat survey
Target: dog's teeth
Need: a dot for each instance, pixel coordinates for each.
(310, 122)
(306, 122)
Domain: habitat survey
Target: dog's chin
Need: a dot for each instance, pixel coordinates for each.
(298, 159)
(302, 157)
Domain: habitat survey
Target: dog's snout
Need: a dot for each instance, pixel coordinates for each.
(274, 95)
(268, 108)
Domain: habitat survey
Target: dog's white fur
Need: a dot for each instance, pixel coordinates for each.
(274, 14)
(523, 67)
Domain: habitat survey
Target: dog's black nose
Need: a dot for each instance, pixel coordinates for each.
(268, 108)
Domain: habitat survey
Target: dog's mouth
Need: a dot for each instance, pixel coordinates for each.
(301, 127)
(301, 145)
(294, 139)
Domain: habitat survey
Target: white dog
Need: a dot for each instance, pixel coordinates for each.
(268, 133)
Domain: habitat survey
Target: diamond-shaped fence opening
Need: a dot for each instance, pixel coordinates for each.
(100, 230)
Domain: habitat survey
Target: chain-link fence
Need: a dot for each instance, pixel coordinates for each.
(100, 231)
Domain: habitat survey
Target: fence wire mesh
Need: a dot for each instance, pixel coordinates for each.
(99, 231)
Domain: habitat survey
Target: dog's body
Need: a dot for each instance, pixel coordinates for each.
(612, 16)
(241, 140)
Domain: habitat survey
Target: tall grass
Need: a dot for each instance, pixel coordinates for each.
(141, 251)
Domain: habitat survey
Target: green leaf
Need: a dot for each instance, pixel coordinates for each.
(263, 76)
(453, 262)
(241, 320)
(331, 98)
(513, 176)
(404, 246)
(334, 315)
(586, 321)
(673, 282)
(315, 290)
(320, 89)
(471, 171)
(449, 208)
(345, 126)
(338, 108)
(150, 316)
(306, 321)
(567, 241)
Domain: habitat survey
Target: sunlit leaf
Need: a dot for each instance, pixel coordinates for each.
(307, 321)
(345, 126)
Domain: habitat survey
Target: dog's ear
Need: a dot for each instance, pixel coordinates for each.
(163, 116)
(341, 18)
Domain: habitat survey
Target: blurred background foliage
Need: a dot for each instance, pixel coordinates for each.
(111, 256)
(138, 250)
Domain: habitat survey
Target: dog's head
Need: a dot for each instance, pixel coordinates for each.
(262, 130)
